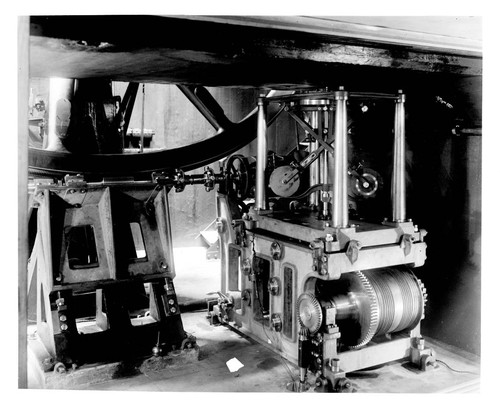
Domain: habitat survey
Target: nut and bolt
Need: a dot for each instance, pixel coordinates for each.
(62, 318)
(171, 301)
(173, 310)
(64, 326)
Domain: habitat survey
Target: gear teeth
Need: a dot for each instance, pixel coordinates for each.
(316, 315)
(424, 296)
(374, 310)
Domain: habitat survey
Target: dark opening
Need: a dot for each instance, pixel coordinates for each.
(288, 304)
(262, 270)
(82, 250)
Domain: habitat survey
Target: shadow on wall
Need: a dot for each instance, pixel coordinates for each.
(445, 199)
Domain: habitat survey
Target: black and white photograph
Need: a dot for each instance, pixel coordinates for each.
(219, 202)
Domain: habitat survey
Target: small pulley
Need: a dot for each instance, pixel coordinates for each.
(364, 183)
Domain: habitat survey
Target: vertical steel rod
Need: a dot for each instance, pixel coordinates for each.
(325, 168)
(340, 214)
(260, 187)
(314, 169)
(398, 190)
(314, 174)
(142, 116)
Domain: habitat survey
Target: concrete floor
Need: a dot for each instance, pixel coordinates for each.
(263, 370)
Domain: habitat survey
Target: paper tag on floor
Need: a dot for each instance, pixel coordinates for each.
(234, 364)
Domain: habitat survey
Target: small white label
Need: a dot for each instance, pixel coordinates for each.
(234, 365)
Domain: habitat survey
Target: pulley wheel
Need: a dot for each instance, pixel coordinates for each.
(239, 180)
(284, 189)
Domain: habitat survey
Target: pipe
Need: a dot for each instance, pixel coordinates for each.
(60, 94)
(398, 190)
(340, 214)
(314, 174)
(260, 185)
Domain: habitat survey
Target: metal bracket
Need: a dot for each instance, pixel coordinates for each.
(406, 243)
(352, 251)
(276, 251)
(320, 259)
(421, 356)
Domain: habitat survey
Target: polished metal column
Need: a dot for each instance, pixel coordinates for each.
(60, 94)
(314, 169)
(398, 190)
(340, 212)
(260, 185)
(325, 178)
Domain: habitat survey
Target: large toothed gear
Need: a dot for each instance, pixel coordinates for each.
(371, 303)
(371, 316)
(309, 312)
